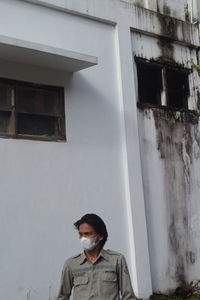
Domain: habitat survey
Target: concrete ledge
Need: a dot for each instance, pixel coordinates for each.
(25, 52)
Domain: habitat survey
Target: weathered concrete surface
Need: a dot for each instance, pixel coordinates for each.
(45, 187)
(170, 147)
(185, 10)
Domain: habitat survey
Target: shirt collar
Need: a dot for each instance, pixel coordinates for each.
(83, 258)
(103, 254)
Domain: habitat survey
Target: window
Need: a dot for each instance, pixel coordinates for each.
(31, 111)
(149, 83)
(177, 88)
(161, 84)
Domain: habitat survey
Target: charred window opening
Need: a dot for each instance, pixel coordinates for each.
(162, 85)
(177, 88)
(149, 82)
(31, 111)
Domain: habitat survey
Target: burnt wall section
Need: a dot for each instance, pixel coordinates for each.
(169, 133)
(167, 27)
(176, 134)
(184, 10)
(167, 55)
(170, 150)
(174, 8)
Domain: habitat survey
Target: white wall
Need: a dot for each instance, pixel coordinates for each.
(110, 148)
(198, 9)
(46, 186)
(170, 149)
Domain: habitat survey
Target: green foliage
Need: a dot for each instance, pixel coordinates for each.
(196, 67)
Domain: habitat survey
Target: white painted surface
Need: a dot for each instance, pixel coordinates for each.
(133, 188)
(198, 9)
(46, 186)
(170, 156)
(20, 51)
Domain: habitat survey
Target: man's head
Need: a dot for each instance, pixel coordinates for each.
(90, 226)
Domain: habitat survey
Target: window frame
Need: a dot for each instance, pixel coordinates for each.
(14, 119)
(165, 67)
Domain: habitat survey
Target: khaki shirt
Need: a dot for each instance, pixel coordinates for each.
(105, 279)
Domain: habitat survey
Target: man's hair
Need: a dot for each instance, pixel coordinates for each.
(96, 222)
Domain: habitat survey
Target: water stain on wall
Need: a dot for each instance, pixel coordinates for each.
(132, 3)
(167, 50)
(168, 27)
(178, 142)
(177, 133)
(163, 8)
(187, 14)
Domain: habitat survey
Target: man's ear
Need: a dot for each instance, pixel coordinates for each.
(101, 237)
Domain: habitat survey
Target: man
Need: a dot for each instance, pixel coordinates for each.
(95, 274)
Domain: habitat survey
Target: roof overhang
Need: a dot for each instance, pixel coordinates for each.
(20, 51)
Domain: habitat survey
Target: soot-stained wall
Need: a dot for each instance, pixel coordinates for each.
(170, 158)
(170, 150)
(183, 10)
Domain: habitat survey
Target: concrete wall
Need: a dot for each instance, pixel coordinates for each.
(183, 10)
(46, 186)
(170, 147)
(171, 183)
(198, 9)
(113, 158)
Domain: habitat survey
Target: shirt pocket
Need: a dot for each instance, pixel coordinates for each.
(81, 285)
(109, 283)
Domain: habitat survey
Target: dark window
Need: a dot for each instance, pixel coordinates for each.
(5, 107)
(177, 88)
(31, 111)
(149, 82)
(159, 84)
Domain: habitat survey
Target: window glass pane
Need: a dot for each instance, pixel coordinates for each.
(4, 121)
(177, 88)
(5, 96)
(31, 109)
(149, 82)
(36, 125)
(37, 100)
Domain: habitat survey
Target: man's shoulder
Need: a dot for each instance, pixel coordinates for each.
(114, 253)
(72, 259)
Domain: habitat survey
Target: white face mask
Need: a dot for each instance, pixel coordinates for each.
(89, 244)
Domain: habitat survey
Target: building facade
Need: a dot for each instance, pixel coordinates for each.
(99, 112)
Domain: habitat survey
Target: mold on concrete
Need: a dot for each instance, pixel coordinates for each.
(165, 26)
(178, 143)
(170, 137)
(187, 14)
(131, 3)
(166, 49)
(166, 10)
(168, 26)
(163, 8)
